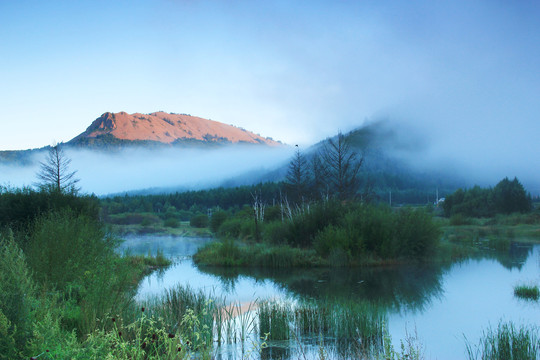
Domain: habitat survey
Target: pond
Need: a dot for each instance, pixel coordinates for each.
(443, 304)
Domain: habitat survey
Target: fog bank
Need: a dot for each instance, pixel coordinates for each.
(135, 169)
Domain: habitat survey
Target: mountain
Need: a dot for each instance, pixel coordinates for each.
(163, 128)
(388, 171)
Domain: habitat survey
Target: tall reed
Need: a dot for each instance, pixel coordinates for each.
(506, 342)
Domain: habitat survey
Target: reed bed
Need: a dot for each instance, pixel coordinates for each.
(358, 325)
(528, 292)
(507, 342)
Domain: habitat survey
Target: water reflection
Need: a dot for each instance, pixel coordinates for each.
(396, 287)
(173, 247)
(442, 302)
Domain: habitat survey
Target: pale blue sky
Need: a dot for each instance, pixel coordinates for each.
(467, 73)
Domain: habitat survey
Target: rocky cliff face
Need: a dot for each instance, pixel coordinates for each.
(167, 128)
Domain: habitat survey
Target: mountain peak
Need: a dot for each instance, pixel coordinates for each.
(168, 128)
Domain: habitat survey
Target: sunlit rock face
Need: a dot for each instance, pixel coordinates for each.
(168, 128)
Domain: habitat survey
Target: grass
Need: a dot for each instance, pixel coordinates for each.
(233, 253)
(506, 342)
(528, 292)
(353, 327)
(148, 223)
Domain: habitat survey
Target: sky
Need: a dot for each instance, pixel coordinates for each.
(465, 74)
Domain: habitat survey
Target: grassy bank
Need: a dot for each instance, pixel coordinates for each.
(149, 223)
(60, 275)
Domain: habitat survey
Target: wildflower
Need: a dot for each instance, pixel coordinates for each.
(113, 319)
(142, 309)
(179, 348)
(171, 336)
(143, 345)
(119, 333)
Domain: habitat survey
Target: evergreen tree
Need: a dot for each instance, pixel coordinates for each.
(298, 177)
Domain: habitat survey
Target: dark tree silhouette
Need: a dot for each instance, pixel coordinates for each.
(298, 177)
(342, 167)
(54, 174)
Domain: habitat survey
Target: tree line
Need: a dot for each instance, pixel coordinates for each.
(508, 196)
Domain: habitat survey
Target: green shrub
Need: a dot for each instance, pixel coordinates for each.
(330, 239)
(416, 233)
(199, 221)
(172, 223)
(276, 232)
(8, 333)
(371, 230)
(247, 229)
(459, 219)
(64, 245)
(217, 219)
(19, 207)
(272, 213)
(231, 227)
(308, 221)
(17, 295)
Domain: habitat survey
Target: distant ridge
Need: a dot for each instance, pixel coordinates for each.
(165, 128)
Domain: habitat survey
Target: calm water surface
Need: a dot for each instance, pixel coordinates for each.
(443, 304)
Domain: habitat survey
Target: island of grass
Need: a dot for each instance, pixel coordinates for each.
(528, 292)
(328, 233)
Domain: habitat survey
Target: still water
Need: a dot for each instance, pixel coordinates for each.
(444, 305)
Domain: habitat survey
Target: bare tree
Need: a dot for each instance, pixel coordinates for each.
(342, 167)
(54, 173)
(258, 212)
(319, 171)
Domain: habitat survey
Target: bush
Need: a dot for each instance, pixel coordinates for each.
(172, 223)
(18, 208)
(309, 221)
(275, 232)
(64, 245)
(199, 221)
(217, 219)
(231, 228)
(17, 291)
(372, 231)
(459, 219)
(416, 233)
(330, 239)
(272, 213)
